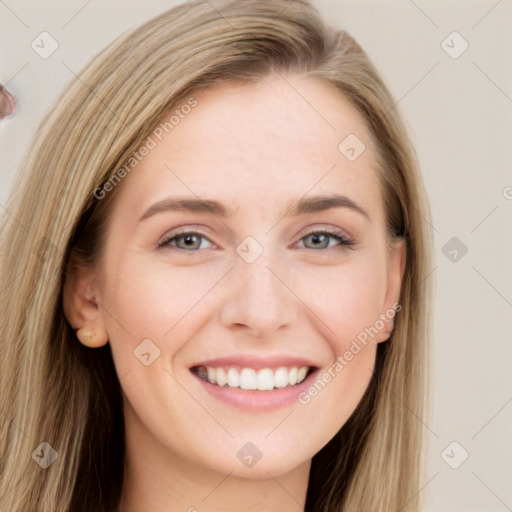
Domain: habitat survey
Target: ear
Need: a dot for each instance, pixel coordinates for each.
(80, 303)
(395, 271)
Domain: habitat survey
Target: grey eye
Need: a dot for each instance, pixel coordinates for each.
(321, 240)
(190, 241)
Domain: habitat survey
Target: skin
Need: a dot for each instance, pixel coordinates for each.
(254, 147)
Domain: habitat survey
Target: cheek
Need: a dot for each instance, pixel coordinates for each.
(347, 301)
(153, 301)
(346, 298)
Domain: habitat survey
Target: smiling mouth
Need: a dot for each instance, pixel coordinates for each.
(248, 379)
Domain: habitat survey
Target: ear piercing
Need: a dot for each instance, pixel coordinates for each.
(91, 337)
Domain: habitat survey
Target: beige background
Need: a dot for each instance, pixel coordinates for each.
(459, 112)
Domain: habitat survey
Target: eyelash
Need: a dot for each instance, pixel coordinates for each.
(344, 242)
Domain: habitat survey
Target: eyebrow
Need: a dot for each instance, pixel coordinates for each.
(304, 205)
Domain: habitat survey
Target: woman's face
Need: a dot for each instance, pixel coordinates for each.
(256, 294)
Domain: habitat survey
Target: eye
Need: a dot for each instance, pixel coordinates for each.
(188, 241)
(192, 240)
(322, 239)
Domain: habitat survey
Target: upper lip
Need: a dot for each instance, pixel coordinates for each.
(257, 361)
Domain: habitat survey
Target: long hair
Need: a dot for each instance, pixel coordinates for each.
(56, 391)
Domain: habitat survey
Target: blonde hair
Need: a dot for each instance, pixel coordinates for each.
(57, 391)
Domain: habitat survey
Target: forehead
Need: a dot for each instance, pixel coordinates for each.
(260, 145)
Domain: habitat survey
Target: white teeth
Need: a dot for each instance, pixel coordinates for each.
(247, 379)
(292, 376)
(281, 377)
(301, 374)
(265, 379)
(233, 378)
(221, 377)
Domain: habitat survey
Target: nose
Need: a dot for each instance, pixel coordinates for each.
(259, 298)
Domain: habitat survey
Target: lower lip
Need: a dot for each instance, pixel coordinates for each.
(255, 400)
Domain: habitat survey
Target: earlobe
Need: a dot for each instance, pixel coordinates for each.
(80, 305)
(92, 336)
